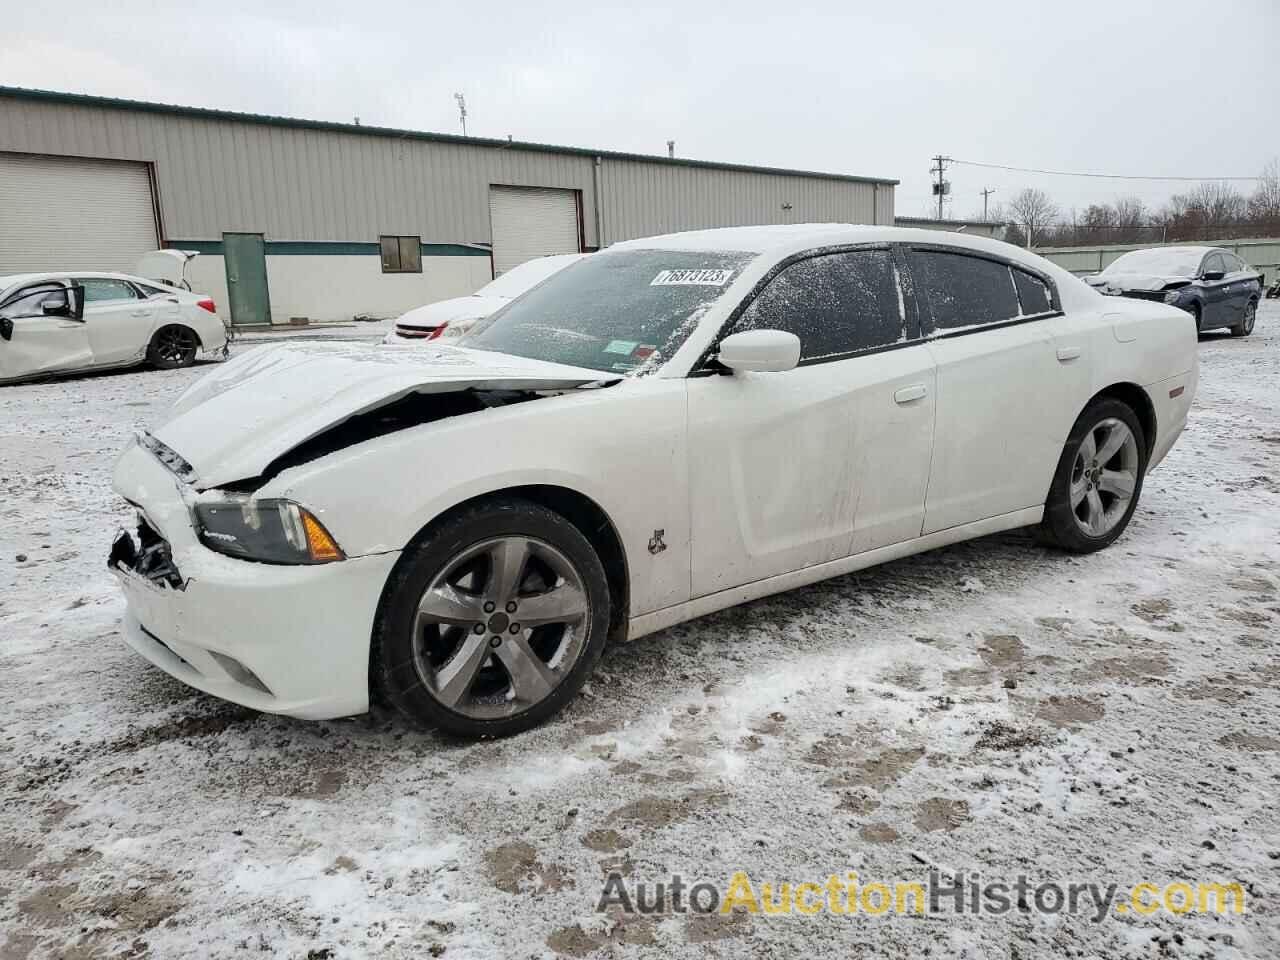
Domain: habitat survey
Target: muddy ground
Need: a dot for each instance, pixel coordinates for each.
(992, 707)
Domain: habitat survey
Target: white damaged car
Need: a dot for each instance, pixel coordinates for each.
(75, 321)
(450, 319)
(673, 426)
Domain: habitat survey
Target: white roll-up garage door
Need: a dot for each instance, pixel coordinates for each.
(529, 222)
(59, 213)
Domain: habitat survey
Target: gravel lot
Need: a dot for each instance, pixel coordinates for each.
(990, 707)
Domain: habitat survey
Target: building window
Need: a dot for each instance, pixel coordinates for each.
(401, 254)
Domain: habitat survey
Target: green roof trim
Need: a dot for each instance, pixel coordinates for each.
(329, 248)
(144, 106)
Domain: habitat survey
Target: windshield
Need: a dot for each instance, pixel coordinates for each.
(1160, 263)
(528, 274)
(625, 312)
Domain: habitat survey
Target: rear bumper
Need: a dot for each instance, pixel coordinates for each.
(281, 639)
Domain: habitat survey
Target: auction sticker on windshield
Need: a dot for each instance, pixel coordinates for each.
(691, 278)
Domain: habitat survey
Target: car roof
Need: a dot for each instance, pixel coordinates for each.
(19, 279)
(783, 240)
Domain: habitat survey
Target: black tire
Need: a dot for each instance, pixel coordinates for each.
(400, 653)
(172, 347)
(1194, 310)
(1246, 324)
(1062, 526)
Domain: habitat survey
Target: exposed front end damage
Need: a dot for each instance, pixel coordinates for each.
(233, 625)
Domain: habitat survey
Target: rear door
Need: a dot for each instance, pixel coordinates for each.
(1006, 386)
(119, 321)
(792, 469)
(39, 343)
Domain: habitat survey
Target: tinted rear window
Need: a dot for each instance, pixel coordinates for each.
(963, 291)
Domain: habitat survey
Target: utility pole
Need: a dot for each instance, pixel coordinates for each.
(988, 191)
(942, 187)
(462, 111)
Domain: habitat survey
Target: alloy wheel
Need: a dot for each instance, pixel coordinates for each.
(175, 344)
(1250, 317)
(500, 627)
(1104, 476)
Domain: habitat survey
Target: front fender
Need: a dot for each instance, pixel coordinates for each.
(622, 447)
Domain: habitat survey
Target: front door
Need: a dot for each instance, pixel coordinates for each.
(244, 256)
(33, 342)
(792, 469)
(1215, 310)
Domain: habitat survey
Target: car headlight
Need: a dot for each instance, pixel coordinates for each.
(269, 531)
(1172, 296)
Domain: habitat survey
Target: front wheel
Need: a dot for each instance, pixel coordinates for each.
(1245, 326)
(173, 347)
(493, 621)
(1099, 477)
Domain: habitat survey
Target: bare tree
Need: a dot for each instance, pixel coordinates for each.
(1264, 203)
(1131, 218)
(1033, 210)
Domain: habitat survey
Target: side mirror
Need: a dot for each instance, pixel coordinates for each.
(56, 305)
(1212, 275)
(760, 351)
(67, 303)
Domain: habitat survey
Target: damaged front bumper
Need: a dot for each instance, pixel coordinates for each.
(282, 639)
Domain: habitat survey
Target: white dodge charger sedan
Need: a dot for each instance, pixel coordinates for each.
(664, 429)
(58, 323)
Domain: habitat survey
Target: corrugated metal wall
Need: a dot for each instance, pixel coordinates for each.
(642, 199)
(218, 174)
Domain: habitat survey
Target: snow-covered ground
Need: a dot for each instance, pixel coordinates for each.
(991, 707)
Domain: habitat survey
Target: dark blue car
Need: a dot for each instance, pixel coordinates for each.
(1213, 285)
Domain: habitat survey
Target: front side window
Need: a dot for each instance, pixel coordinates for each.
(624, 311)
(101, 290)
(1213, 264)
(963, 291)
(31, 301)
(837, 304)
(401, 254)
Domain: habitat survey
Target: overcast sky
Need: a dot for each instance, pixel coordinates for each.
(1161, 87)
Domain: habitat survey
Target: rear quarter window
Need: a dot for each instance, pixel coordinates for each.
(1033, 293)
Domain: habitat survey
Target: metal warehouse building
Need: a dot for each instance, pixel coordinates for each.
(327, 221)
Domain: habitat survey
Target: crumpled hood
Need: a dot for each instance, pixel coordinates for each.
(235, 421)
(452, 311)
(1134, 281)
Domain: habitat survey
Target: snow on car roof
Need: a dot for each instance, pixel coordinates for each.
(15, 279)
(799, 236)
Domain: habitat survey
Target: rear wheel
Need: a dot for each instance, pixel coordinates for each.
(1245, 326)
(172, 347)
(493, 621)
(1099, 478)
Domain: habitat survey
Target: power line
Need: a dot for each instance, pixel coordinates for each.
(1101, 176)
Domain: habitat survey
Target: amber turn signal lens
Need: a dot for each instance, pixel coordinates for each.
(320, 545)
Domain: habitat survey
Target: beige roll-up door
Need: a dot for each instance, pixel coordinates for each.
(529, 222)
(59, 213)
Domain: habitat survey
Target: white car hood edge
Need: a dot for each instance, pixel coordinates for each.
(237, 420)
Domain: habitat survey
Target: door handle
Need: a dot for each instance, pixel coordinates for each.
(908, 394)
(1067, 354)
